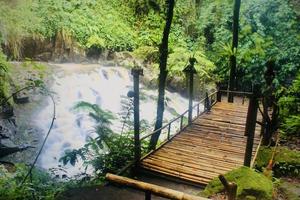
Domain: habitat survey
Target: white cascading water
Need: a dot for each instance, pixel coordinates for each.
(104, 86)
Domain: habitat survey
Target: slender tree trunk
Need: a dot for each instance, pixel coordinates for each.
(235, 39)
(163, 51)
(269, 101)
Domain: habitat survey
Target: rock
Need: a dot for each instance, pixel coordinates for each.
(45, 56)
(5, 150)
(250, 184)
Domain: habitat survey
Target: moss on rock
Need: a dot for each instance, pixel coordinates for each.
(251, 185)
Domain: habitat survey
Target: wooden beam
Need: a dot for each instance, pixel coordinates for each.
(250, 128)
(154, 189)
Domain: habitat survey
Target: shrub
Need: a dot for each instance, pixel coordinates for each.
(286, 162)
(42, 185)
(4, 77)
(108, 152)
(289, 104)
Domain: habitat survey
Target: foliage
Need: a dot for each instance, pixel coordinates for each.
(4, 77)
(178, 60)
(41, 187)
(263, 36)
(92, 23)
(289, 104)
(286, 162)
(148, 54)
(249, 183)
(108, 152)
(17, 21)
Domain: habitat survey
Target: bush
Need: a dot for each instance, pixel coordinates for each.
(147, 54)
(289, 104)
(249, 183)
(108, 152)
(286, 162)
(178, 60)
(41, 187)
(4, 77)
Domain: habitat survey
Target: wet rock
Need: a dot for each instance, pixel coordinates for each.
(45, 56)
(5, 150)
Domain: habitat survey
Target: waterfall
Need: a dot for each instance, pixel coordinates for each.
(105, 86)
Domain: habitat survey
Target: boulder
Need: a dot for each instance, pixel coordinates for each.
(251, 185)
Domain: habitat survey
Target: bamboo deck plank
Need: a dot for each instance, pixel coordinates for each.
(214, 144)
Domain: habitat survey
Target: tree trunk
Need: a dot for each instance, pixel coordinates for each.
(163, 51)
(235, 39)
(269, 101)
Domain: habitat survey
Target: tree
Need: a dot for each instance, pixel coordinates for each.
(235, 39)
(270, 120)
(163, 52)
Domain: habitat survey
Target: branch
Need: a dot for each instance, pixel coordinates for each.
(44, 142)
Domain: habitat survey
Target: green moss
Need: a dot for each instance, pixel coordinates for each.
(147, 53)
(250, 184)
(286, 161)
(4, 77)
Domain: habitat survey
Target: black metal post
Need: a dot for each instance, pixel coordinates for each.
(181, 122)
(136, 72)
(147, 195)
(169, 131)
(250, 128)
(207, 103)
(219, 95)
(190, 71)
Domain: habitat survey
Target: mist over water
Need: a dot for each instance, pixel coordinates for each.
(105, 86)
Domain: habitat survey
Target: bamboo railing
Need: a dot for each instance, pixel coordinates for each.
(150, 189)
(209, 101)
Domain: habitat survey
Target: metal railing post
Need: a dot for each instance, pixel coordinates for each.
(207, 103)
(136, 72)
(190, 71)
(181, 122)
(147, 195)
(219, 94)
(169, 131)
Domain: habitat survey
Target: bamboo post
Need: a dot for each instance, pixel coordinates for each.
(149, 188)
(231, 188)
(250, 127)
(190, 71)
(136, 73)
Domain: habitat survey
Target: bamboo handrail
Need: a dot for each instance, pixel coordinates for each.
(237, 92)
(149, 188)
(175, 119)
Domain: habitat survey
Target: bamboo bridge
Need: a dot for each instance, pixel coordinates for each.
(213, 144)
(212, 137)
